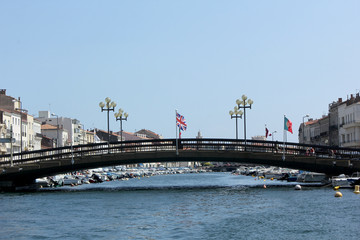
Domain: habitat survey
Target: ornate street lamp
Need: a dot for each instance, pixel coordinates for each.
(119, 117)
(236, 114)
(107, 106)
(244, 103)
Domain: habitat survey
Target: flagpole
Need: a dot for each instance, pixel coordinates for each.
(177, 147)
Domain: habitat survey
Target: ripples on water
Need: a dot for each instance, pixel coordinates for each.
(197, 206)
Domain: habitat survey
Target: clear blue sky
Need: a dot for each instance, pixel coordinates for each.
(152, 57)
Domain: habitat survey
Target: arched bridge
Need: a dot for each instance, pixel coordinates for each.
(23, 168)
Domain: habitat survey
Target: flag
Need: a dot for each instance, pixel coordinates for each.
(287, 125)
(267, 132)
(180, 122)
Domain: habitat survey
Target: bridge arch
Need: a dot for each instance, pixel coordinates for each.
(23, 168)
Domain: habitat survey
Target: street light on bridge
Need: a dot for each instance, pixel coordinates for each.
(110, 106)
(236, 114)
(272, 135)
(119, 117)
(244, 103)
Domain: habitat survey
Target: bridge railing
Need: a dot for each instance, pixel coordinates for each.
(152, 145)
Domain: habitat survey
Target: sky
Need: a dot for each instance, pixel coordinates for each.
(197, 57)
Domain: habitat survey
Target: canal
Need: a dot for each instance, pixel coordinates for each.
(184, 206)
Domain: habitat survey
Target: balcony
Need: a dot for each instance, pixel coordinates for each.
(351, 125)
(354, 143)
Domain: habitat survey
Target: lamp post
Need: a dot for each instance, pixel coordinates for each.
(303, 130)
(110, 106)
(57, 129)
(119, 117)
(272, 135)
(244, 104)
(21, 126)
(236, 114)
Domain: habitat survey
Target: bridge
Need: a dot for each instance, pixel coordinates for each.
(22, 169)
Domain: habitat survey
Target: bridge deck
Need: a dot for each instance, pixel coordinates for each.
(31, 165)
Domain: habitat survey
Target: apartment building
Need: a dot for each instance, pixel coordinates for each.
(349, 122)
(76, 134)
(17, 121)
(59, 136)
(341, 127)
(315, 132)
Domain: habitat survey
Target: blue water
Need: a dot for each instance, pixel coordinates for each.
(187, 206)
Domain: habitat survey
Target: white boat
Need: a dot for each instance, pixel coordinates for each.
(344, 181)
(311, 177)
(42, 182)
(70, 180)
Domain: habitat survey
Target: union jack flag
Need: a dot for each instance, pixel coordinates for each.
(180, 122)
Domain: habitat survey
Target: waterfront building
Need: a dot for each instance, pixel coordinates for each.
(349, 122)
(74, 129)
(144, 133)
(334, 123)
(47, 143)
(103, 136)
(59, 136)
(12, 120)
(340, 128)
(36, 135)
(8, 102)
(25, 130)
(315, 132)
(32, 134)
(89, 136)
(3, 134)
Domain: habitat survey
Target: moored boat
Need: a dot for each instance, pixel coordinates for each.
(311, 177)
(345, 181)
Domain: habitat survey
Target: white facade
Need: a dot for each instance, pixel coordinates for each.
(37, 135)
(15, 123)
(349, 125)
(59, 136)
(72, 126)
(3, 131)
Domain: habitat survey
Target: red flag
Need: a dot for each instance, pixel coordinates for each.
(267, 132)
(287, 125)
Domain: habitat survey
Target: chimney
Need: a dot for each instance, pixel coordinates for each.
(3, 91)
(339, 100)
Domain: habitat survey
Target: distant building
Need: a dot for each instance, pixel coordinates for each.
(315, 132)
(90, 136)
(341, 127)
(104, 136)
(259, 138)
(349, 122)
(56, 134)
(144, 133)
(76, 134)
(25, 129)
(3, 134)
(47, 143)
(128, 136)
(8, 102)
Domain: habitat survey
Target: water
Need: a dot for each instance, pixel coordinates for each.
(188, 206)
